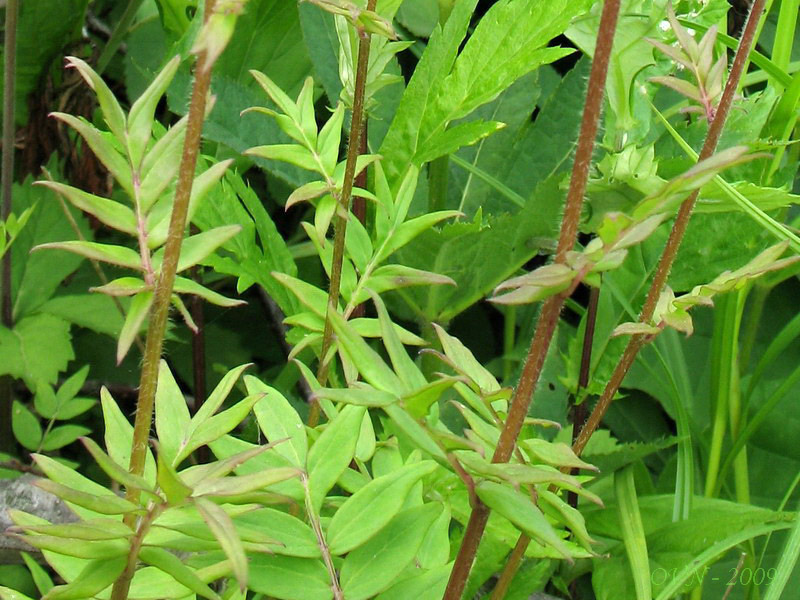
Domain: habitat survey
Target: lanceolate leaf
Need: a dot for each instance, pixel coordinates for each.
(368, 510)
(222, 528)
(521, 511)
(112, 112)
(172, 565)
(111, 213)
(116, 255)
(96, 576)
(374, 566)
(332, 452)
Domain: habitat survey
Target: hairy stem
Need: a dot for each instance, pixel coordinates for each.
(163, 290)
(678, 230)
(548, 319)
(6, 185)
(578, 417)
(340, 220)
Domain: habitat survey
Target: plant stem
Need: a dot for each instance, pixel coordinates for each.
(676, 235)
(120, 31)
(548, 319)
(340, 220)
(7, 187)
(579, 416)
(359, 203)
(323, 545)
(163, 290)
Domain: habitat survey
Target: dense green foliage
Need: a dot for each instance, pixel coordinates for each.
(338, 376)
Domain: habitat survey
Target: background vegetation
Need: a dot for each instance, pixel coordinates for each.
(456, 141)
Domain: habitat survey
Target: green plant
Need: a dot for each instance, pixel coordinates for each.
(433, 474)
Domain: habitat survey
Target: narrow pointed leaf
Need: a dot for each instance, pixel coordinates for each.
(172, 566)
(332, 452)
(278, 420)
(368, 510)
(113, 214)
(116, 255)
(223, 529)
(137, 313)
(112, 112)
(140, 117)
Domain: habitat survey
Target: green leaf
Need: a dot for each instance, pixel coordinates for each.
(114, 470)
(112, 112)
(218, 425)
(37, 349)
(392, 277)
(103, 148)
(242, 484)
(373, 567)
(189, 286)
(456, 137)
(140, 117)
(408, 230)
(420, 436)
(172, 414)
(71, 386)
(40, 576)
(119, 436)
(110, 212)
(290, 536)
(198, 247)
(222, 528)
(358, 394)
(174, 488)
(58, 437)
(429, 585)
(633, 532)
(116, 255)
(465, 361)
(368, 510)
(217, 397)
(9, 594)
(96, 576)
(95, 549)
(290, 578)
(104, 504)
(25, 426)
(290, 153)
(369, 363)
(507, 43)
(92, 530)
(556, 454)
(137, 313)
(332, 452)
(519, 509)
(172, 565)
(278, 420)
(435, 548)
(160, 165)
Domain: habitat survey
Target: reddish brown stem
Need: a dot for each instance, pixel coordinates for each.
(678, 230)
(546, 325)
(340, 220)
